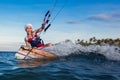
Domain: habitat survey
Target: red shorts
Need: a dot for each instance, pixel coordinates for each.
(40, 45)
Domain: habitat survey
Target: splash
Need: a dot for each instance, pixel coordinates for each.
(67, 47)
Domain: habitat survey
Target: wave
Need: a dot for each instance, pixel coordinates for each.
(67, 47)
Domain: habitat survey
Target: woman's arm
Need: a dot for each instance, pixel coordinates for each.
(40, 29)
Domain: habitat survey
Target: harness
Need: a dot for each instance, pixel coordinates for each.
(36, 41)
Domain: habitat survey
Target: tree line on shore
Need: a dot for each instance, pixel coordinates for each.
(95, 41)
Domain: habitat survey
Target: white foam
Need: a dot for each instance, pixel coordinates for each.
(68, 47)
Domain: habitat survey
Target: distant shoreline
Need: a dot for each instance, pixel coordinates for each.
(95, 41)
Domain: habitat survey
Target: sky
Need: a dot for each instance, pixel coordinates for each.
(78, 19)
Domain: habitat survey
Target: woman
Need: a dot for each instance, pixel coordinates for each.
(33, 39)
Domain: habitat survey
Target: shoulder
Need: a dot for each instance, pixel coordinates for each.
(35, 32)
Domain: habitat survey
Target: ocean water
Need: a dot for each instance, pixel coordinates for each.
(78, 63)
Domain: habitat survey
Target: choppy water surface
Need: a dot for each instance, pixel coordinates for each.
(80, 63)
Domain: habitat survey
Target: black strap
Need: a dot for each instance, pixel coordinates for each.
(47, 27)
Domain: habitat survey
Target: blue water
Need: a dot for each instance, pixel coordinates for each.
(77, 62)
(86, 66)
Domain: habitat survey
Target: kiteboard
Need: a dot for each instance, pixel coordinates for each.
(26, 53)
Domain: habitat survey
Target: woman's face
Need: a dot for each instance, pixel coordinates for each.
(28, 29)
